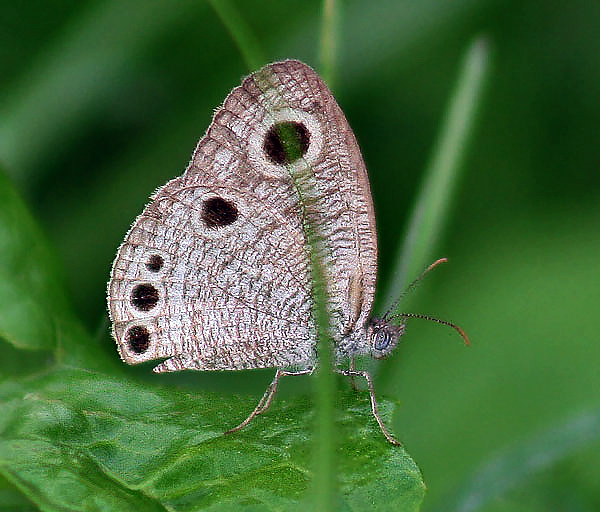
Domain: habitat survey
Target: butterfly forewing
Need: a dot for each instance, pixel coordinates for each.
(336, 195)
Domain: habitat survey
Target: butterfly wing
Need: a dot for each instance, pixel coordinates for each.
(215, 273)
(332, 179)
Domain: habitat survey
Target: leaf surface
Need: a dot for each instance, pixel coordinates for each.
(80, 440)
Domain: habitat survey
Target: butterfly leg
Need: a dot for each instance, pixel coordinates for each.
(352, 368)
(367, 376)
(267, 398)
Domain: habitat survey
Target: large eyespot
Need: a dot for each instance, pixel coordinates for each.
(138, 339)
(144, 297)
(382, 339)
(286, 142)
(218, 212)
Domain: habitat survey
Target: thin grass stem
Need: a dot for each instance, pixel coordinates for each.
(240, 32)
(329, 40)
(324, 454)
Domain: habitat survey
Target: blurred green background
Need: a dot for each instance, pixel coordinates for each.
(103, 101)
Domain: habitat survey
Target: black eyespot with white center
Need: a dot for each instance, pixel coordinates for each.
(138, 339)
(286, 142)
(144, 297)
(218, 212)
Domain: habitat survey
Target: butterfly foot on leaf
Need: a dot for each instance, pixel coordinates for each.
(265, 402)
(367, 376)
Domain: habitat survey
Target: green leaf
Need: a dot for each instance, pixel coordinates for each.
(31, 294)
(11, 500)
(35, 313)
(78, 440)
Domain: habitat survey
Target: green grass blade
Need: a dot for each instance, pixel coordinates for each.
(430, 213)
(324, 450)
(240, 32)
(329, 41)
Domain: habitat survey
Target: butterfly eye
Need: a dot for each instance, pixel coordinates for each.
(286, 142)
(382, 339)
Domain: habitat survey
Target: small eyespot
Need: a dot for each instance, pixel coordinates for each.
(138, 339)
(144, 297)
(218, 212)
(382, 340)
(286, 142)
(155, 263)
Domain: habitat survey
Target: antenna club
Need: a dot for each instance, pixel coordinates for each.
(437, 262)
(464, 335)
(432, 266)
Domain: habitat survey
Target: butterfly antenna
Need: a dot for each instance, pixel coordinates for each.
(412, 286)
(443, 322)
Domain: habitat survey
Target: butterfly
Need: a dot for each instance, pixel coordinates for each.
(216, 273)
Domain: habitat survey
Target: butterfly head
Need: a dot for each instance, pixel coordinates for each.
(383, 336)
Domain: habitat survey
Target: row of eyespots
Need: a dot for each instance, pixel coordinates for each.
(216, 213)
(143, 297)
